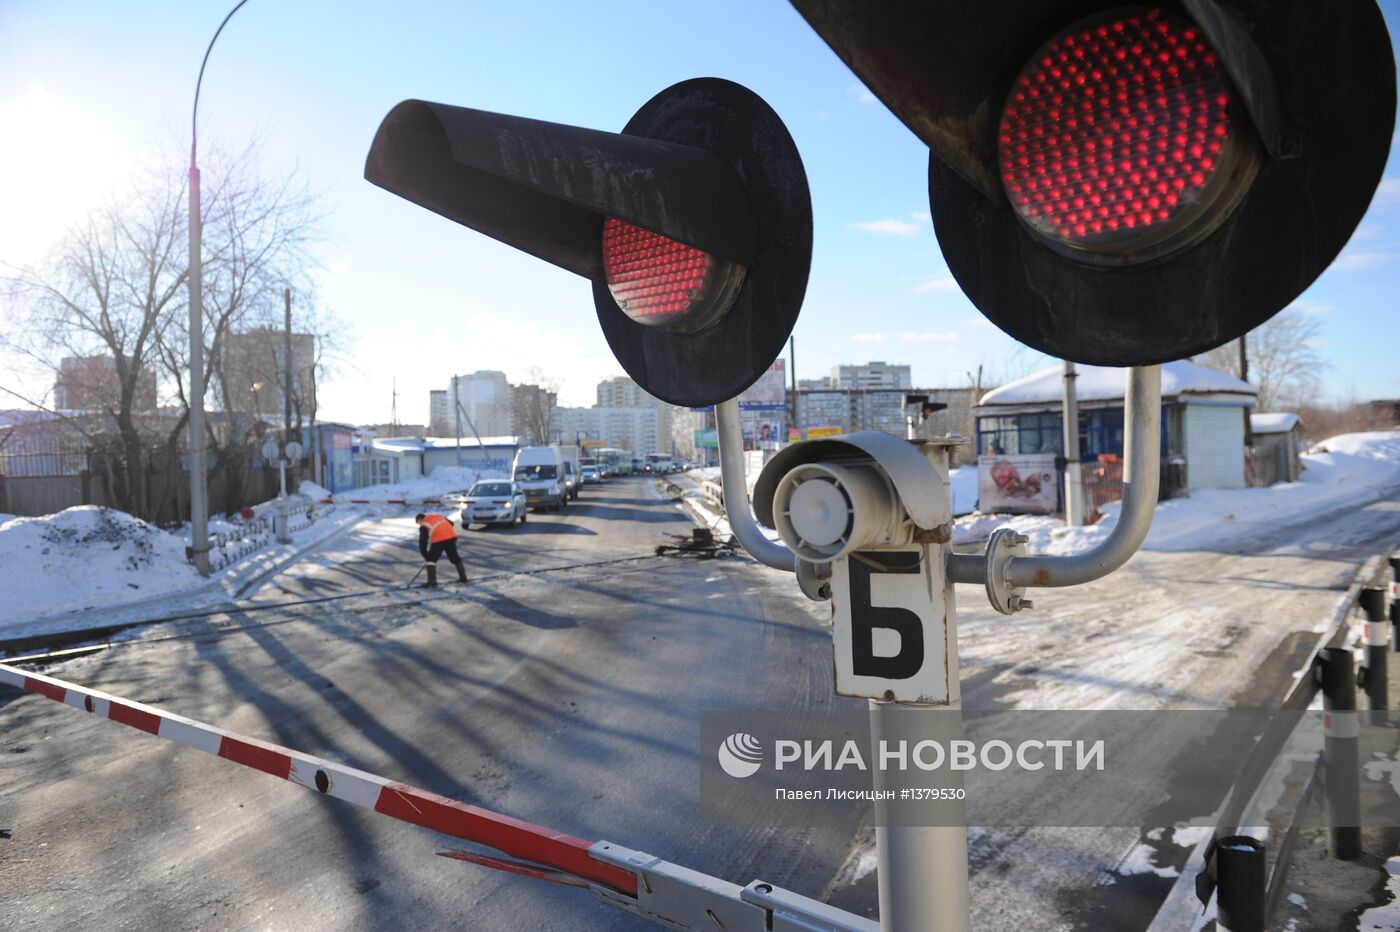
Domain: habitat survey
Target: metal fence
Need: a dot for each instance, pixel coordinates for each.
(252, 535)
(1236, 871)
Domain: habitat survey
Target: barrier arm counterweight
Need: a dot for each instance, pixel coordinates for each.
(639, 883)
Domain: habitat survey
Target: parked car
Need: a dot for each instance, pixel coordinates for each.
(591, 475)
(540, 472)
(494, 501)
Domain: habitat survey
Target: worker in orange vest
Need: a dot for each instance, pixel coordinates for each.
(438, 536)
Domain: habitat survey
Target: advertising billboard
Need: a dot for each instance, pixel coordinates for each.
(1017, 484)
(769, 393)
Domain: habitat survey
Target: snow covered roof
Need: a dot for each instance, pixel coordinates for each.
(1104, 383)
(420, 444)
(13, 417)
(1274, 423)
(438, 443)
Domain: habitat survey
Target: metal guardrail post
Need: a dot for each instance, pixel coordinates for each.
(1240, 884)
(1341, 759)
(1377, 637)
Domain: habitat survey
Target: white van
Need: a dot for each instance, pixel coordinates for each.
(540, 472)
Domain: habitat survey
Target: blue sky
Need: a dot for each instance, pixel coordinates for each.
(90, 91)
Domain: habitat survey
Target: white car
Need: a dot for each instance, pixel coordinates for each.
(591, 475)
(494, 501)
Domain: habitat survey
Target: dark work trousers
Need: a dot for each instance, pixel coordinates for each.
(446, 548)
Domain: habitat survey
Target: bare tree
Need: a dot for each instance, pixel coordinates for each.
(115, 287)
(110, 288)
(1283, 360)
(535, 405)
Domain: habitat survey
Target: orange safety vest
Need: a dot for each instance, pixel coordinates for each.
(439, 529)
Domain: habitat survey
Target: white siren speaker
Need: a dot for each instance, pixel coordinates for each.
(825, 510)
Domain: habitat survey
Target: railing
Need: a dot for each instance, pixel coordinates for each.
(1234, 869)
(229, 547)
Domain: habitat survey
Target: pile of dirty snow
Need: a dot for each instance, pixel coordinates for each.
(87, 557)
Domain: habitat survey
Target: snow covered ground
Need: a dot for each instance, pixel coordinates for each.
(89, 567)
(963, 484)
(86, 557)
(1342, 472)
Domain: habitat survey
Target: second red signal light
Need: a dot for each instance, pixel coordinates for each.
(1116, 141)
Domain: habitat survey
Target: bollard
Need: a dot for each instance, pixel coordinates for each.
(1377, 638)
(432, 576)
(1395, 601)
(1341, 762)
(1240, 884)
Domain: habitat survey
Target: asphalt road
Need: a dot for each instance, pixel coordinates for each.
(567, 698)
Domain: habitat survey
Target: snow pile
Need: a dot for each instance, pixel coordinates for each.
(962, 482)
(976, 527)
(85, 557)
(444, 480)
(313, 491)
(1383, 445)
(1343, 472)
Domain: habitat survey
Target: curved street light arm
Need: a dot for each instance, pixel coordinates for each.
(194, 114)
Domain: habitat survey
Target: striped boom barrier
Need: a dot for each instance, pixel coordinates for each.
(389, 501)
(548, 853)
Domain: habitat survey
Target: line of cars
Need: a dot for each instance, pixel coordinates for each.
(541, 478)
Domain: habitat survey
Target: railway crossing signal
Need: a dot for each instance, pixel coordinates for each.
(694, 223)
(1122, 184)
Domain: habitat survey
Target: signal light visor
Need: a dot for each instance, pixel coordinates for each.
(1121, 140)
(661, 282)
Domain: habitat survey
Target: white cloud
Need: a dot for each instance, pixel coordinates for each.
(927, 336)
(1360, 261)
(1367, 230)
(977, 320)
(922, 215)
(862, 93)
(870, 338)
(942, 283)
(1310, 307)
(890, 227)
(1387, 193)
(520, 347)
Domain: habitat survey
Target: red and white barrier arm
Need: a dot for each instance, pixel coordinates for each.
(388, 501)
(555, 853)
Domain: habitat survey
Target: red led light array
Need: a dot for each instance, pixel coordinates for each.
(652, 277)
(1115, 129)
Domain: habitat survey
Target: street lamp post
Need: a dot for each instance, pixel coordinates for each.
(199, 490)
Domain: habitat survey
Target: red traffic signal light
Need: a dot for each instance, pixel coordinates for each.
(694, 223)
(1125, 185)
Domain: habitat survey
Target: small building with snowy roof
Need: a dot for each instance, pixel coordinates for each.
(1278, 448)
(380, 460)
(1203, 417)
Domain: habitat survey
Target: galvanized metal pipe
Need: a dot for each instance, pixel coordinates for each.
(736, 492)
(1142, 455)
